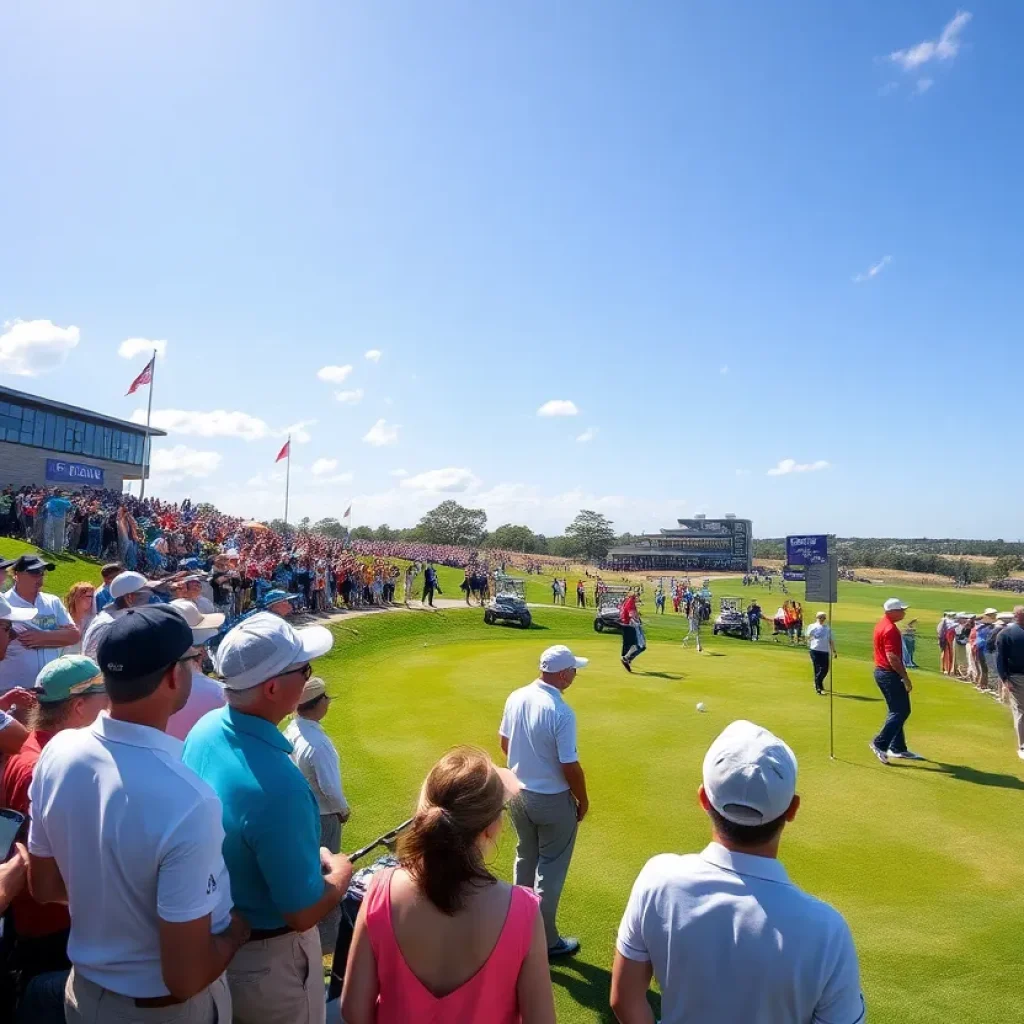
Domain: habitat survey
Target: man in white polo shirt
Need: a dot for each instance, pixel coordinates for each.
(130, 839)
(725, 932)
(128, 590)
(822, 649)
(538, 736)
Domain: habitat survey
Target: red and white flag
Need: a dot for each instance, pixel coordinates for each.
(285, 452)
(146, 377)
(348, 513)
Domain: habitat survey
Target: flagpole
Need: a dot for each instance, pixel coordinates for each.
(287, 482)
(145, 441)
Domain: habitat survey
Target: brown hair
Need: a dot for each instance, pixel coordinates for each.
(462, 796)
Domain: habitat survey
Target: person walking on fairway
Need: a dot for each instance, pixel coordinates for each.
(694, 621)
(1010, 666)
(892, 679)
(822, 649)
(430, 586)
(538, 736)
(633, 644)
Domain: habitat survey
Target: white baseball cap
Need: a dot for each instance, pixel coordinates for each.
(15, 614)
(204, 627)
(263, 646)
(990, 611)
(559, 658)
(126, 583)
(821, 615)
(749, 774)
(894, 604)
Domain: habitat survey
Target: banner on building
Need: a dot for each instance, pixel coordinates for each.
(59, 471)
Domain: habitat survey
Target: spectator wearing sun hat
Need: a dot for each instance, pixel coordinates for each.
(315, 756)
(725, 933)
(538, 736)
(207, 694)
(70, 694)
(279, 602)
(281, 879)
(892, 679)
(40, 639)
(131, 841)
(127, 590)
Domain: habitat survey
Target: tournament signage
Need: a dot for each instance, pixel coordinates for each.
(59, 471)
(808, 560)
(807, 550)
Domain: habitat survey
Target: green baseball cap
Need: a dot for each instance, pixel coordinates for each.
(71, 675)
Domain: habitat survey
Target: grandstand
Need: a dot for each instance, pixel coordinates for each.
(695, 545)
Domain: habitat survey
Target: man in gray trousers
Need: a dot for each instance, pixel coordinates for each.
(538, 736)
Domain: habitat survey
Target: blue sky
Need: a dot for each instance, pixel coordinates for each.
(735, 238)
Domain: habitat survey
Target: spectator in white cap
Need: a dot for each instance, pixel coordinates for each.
(282, 880)
(725, 933)
(207, 694)
(315, 756)
(538, 736)
(128, 590)
(892, 679)
(822, 649)
(40, 639)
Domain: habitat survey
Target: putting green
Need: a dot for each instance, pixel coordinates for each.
(918, 857)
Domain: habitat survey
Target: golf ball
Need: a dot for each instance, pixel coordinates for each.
(700, 706)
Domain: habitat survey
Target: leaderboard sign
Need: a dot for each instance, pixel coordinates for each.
(59, 471)
(809, 560)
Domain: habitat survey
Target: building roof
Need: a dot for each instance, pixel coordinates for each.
(23, 398)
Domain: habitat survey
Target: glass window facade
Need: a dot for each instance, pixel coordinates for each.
(20, 424)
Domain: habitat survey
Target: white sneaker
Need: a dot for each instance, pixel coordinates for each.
(880, 754)
(1020, 753)
(906, 755)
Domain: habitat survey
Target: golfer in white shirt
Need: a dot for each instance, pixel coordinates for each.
(727, 935)
(314, 755)
(538, 736)
(822, 649)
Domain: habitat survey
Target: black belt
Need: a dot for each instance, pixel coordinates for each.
(158, 1002)
(259, 934)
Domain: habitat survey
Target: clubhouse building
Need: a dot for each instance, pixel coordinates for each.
(57, 445)
(695, 545)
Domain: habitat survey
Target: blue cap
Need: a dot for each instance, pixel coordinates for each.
(273, 596)
(142, 641)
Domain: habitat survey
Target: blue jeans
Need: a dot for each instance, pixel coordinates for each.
(95, 540)
(898, 702)
(43, 1001)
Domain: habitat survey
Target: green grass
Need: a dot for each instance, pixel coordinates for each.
(921, 859)
(70, 568)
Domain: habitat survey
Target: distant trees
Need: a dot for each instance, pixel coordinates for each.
(517, 538)
(1005, 565)
(452, 523)
(591, 534)
(330, 527)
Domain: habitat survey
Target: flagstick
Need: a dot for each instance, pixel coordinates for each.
(287, 482)
(145, 441)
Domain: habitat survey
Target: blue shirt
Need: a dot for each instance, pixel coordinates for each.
(57, 507)
(271, 819)
(103, 598)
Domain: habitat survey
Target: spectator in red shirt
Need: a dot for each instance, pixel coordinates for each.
(632, 637)
(892, 679)
(70, 694)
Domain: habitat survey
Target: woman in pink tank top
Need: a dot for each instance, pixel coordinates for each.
(439, 940)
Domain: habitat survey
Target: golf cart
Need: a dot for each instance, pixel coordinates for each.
(732, 620)
(608, 605)
(509, 602)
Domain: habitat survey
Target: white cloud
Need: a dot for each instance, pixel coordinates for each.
(374, 355)
(334, 374)
(181, 461)
(31, 347)
(946, 47)
(588, 435)
(873, 271)
(787, 466)
(399, 473)
(350, 397)
(558, 407)
(324, 466)
(382, 433)
(447, 481)
(723, 370)
(221, 423)
(923, 85)
(131, 347)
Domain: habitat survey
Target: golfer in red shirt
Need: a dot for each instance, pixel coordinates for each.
(892, 679)
(632, 636)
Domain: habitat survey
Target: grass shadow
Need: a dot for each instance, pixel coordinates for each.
(854, 696)
(962, 773)
(660, 675)
(591, 986)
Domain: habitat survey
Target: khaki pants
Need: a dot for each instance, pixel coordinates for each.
(1016, 688)
(330, 836)
(88, 1003)
(546, 827)
(279, 981)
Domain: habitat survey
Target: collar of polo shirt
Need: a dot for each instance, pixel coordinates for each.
(767, 868)
(134, 735)
(258, 728)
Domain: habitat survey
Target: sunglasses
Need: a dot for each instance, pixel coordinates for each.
(306, 670)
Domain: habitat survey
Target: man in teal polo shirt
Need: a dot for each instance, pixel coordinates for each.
(282, 880)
